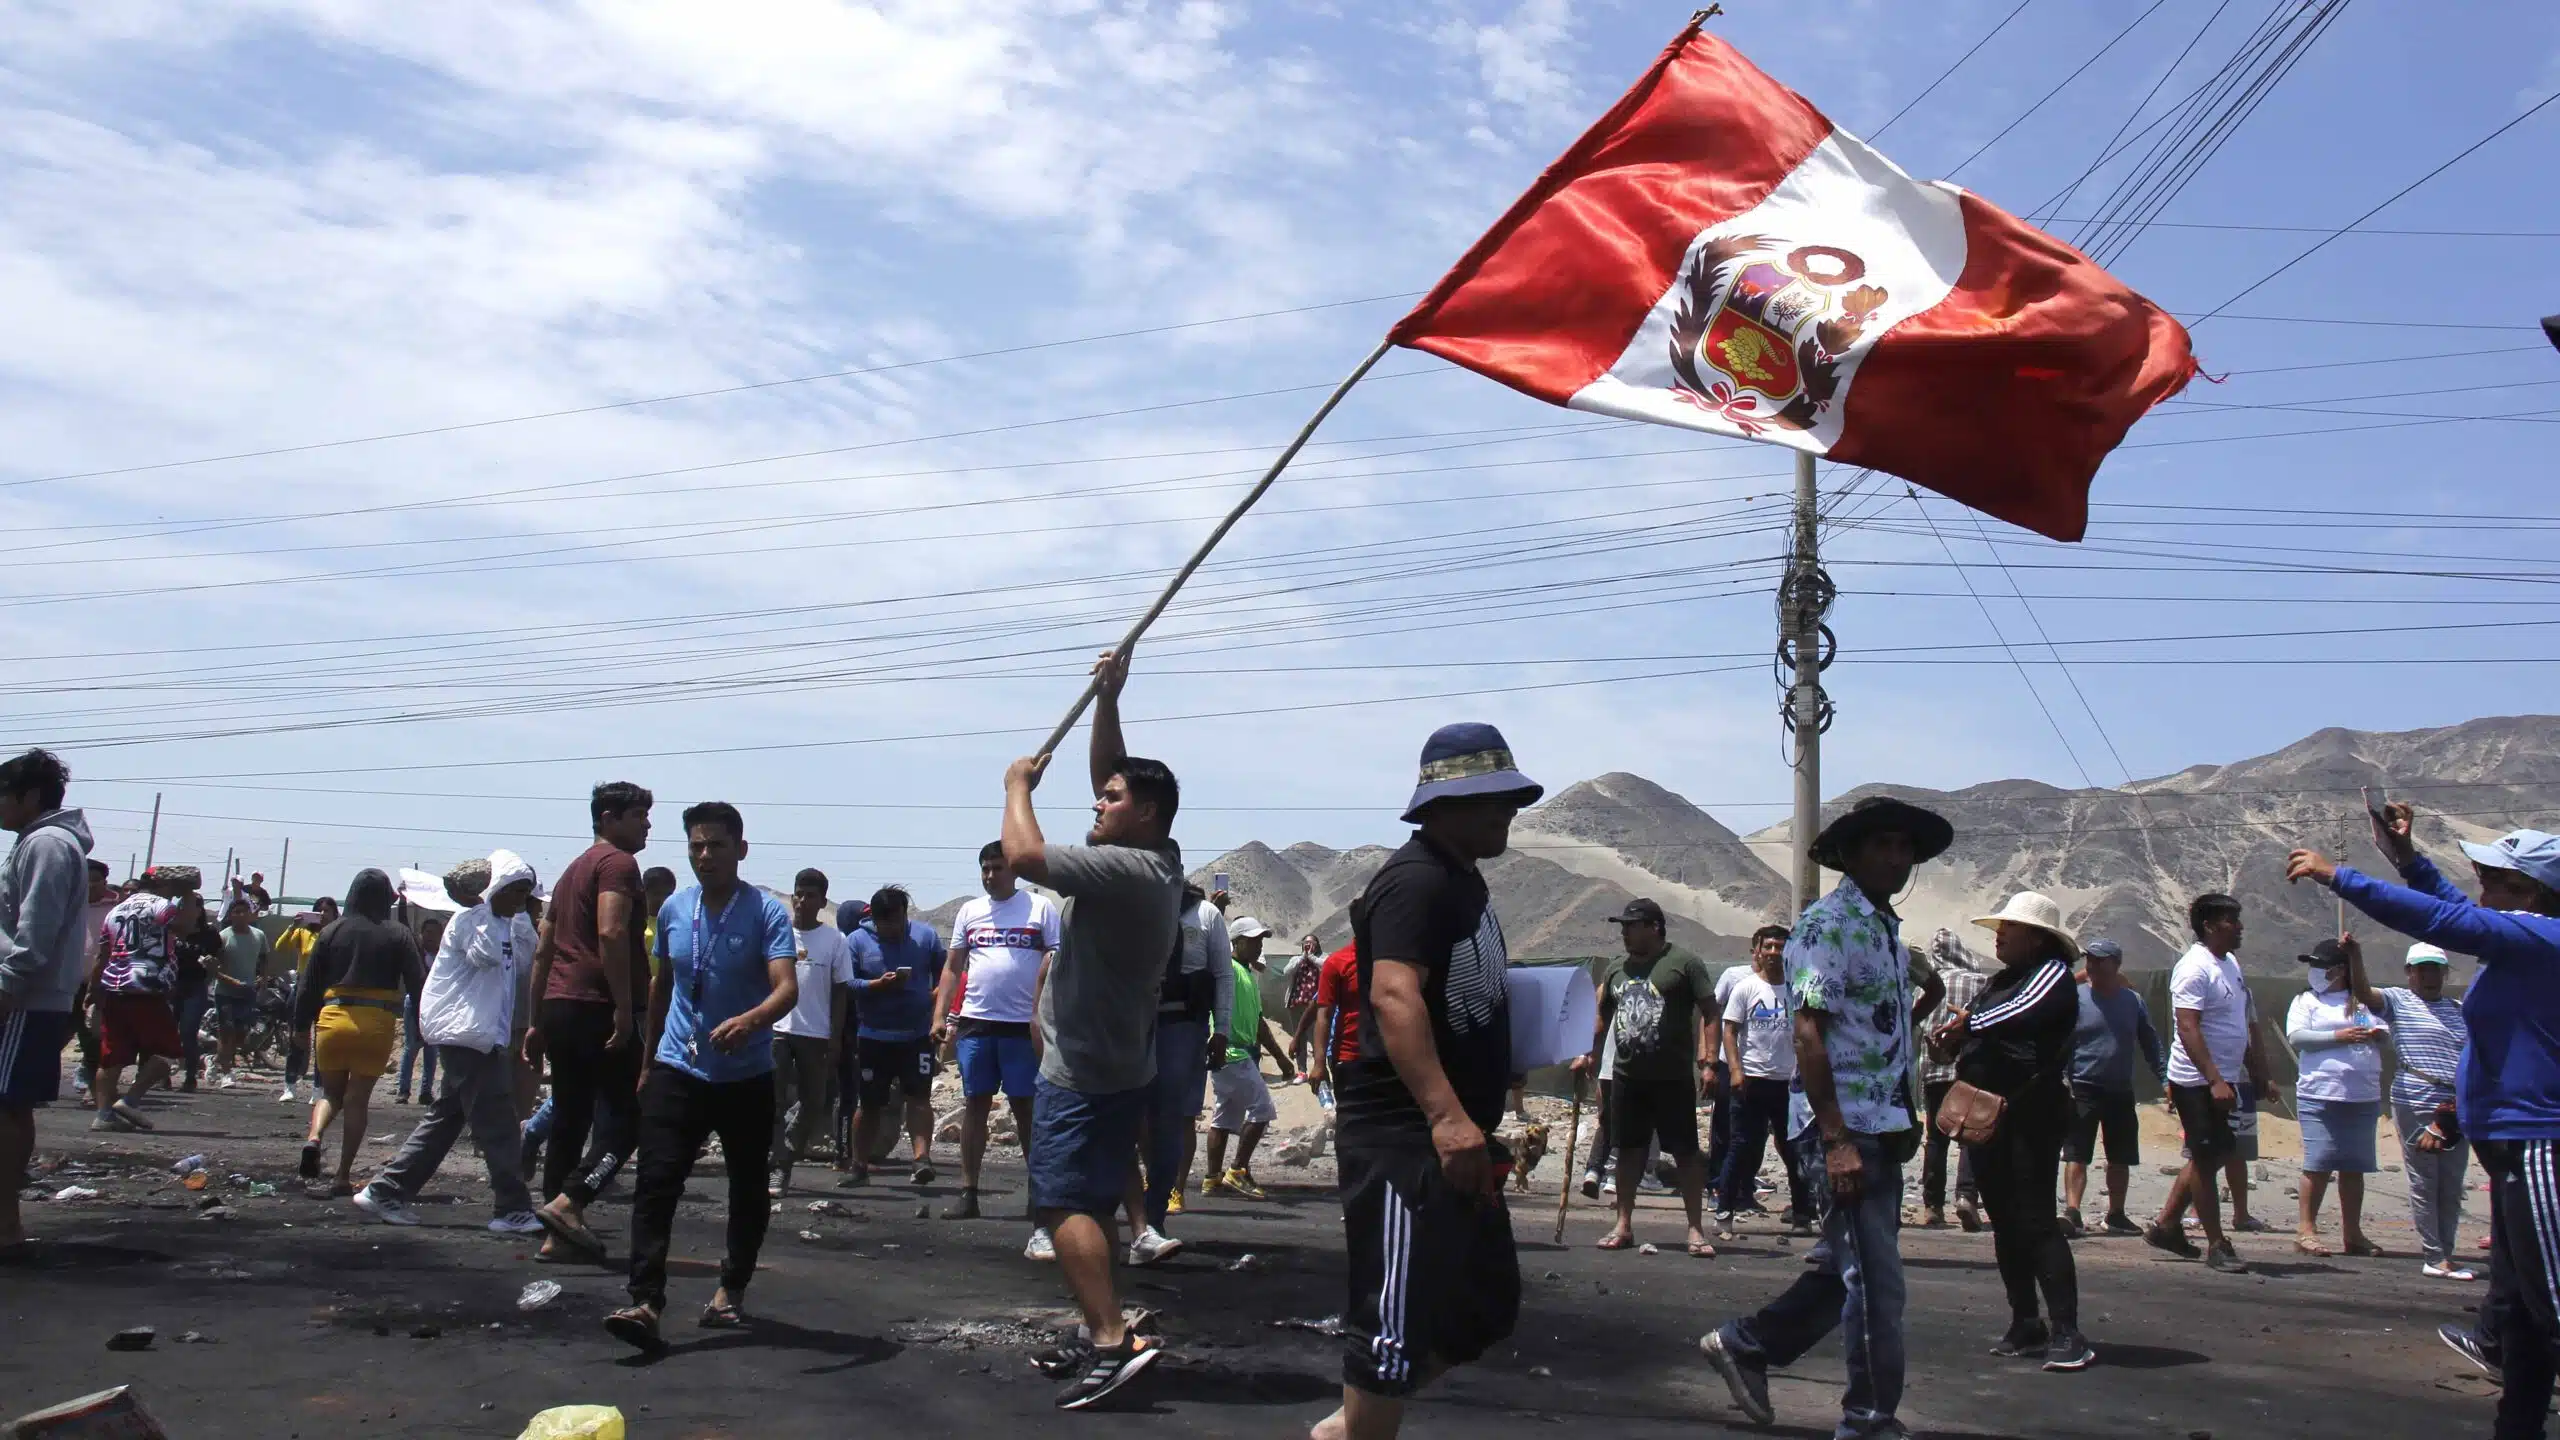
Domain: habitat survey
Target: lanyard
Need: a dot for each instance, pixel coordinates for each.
(702, 967)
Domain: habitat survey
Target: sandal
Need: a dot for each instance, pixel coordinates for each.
(2309, 1246)
(574, 1234)
(2366, 1249)
(1615, 1241)
(637, 1327)
(1701, 1250)
(720, 1315)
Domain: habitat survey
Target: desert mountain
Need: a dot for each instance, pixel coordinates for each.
(2123, 862)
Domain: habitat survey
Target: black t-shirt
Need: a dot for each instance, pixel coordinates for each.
(1425, 908)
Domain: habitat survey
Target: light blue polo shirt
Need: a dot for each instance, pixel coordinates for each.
(740, 942)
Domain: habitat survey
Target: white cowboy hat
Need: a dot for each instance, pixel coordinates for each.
(2029, 908)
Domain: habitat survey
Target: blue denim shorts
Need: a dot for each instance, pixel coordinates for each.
(1084, 1147)
(989, 1063)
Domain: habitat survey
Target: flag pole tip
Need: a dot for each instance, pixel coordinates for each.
(1701, 17)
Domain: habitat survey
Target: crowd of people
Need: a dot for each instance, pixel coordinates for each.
(667, 1019)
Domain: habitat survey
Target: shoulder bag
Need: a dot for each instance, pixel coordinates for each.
(1969, 1114)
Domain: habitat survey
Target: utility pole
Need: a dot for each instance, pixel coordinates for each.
(284, 865)
(1805, 648)
(151, 847)
(223, 892)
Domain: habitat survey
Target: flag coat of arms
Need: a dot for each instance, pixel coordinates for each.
(1715, 254)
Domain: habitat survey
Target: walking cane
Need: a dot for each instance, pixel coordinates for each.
(1572, 1135)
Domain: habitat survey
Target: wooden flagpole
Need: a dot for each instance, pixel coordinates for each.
(1305, 433)
(1572, 1135)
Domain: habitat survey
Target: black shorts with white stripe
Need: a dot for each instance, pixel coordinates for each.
(1435, 1281)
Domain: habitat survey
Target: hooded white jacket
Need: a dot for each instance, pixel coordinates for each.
(470, 994)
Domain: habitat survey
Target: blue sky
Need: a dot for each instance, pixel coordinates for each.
(256, 227)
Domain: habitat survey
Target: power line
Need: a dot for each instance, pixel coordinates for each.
(2065, 82)
(2323, 243)
(1943, 75)
(703, 394)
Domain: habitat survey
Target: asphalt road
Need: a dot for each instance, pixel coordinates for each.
(321, 1322)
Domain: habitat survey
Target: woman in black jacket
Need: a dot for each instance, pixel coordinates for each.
(2015, 1042)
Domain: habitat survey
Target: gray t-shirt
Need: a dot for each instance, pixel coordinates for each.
(1098, 1011)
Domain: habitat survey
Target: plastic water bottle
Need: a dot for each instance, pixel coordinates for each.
(188, 1166)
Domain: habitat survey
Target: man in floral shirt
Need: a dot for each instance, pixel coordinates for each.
(1852, 1118)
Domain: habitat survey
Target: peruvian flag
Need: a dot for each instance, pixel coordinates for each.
(1714, 254)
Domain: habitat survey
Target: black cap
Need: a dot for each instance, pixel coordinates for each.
(1639, 912)
(2324, 955)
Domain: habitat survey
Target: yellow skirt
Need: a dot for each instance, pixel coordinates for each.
(356, 1032)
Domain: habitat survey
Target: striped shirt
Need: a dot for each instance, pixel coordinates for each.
(2428, 1036)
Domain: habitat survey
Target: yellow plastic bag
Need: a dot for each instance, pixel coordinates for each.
(575, 1422)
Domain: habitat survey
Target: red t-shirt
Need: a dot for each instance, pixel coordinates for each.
(1338, 985)
(577, 964)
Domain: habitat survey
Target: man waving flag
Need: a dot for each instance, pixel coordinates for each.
(1714, 254)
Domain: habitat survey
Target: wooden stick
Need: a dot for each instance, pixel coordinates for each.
(1130, 641)
(1572, 1135)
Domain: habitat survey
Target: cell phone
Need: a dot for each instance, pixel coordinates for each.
(2373, 805)
(1217, 881)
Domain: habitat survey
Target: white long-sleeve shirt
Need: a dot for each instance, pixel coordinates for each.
(470, 995)
(2330, 1068)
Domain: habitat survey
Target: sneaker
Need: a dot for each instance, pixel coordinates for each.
(133, 1119)
(287, 1097)
(2073, 1227)
(964, 1208)
(523, 1222)
(2253, 1226)
(2175, 1242)
(2025, 1336)
(922, 1174)
(2465, 1342)
(1933, 1217)
(309, 1167)
(2068, 1352)
(1211, 1184)
(1800, 1226)
(1173, 1202)
(2224, 1259)
(1590, 1184)
(1152, 1247)
(1748, 1380)
(2445, 1270)
(1969, 1215)
(1242, 1184)
(402, 1098)
(1107, 1371)
(390, 1209)
(106, 1120)
(1040, 1248)
(1608, 1187)
(227, 1082)
(2117, 1224)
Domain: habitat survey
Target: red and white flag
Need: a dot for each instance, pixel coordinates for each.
(1714, 254)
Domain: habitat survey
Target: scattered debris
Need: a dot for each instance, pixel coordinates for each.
(69, 1193)
(810, 1237)
(830, 1207)
(194, 1337)
(1555, 1275)
(537, 1295)
(260, 1189)
(427, 1332)
(1648, 1248)
(188, 1166)
(1329, 1325)
(924, 1212)
(109, 1412)
(1542, 1372)
(1250, 1264)
(196, 1180)
(137, 1338)
(219, 1212)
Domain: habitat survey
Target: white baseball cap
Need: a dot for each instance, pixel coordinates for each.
(1247, 928)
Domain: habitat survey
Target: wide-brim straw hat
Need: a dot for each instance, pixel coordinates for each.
(2034, 910)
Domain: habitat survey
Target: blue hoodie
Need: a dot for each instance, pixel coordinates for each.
(2509, 1084)
(44, 898)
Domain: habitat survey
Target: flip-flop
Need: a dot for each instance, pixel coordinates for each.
(2368, 1251)
(1615, 1241)
(716, 1316)
(1702, 1251)
(637, 1328)
(573, 1234)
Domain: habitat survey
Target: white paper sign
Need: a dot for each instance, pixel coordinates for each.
(1553, 1009)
